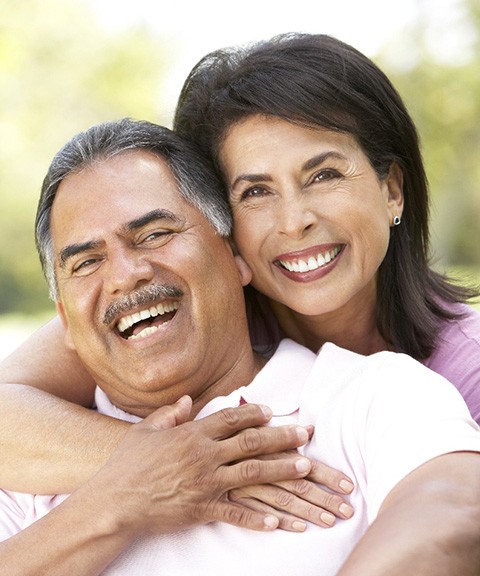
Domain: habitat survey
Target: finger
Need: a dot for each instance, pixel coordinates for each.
(286, 521)
(229, 421)
(169, 416)
(307, 500)
(263, 441)
(321, 473)
(330, 478)
(243, 517)
(252, 471)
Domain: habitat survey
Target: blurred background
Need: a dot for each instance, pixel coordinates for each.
(68, 64)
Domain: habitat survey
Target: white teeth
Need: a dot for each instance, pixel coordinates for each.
(160, 309)
(144, 333)
(312, 263)
(303, 266)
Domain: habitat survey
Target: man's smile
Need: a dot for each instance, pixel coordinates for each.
(144, 322)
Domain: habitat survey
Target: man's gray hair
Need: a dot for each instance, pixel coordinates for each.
(196, 180)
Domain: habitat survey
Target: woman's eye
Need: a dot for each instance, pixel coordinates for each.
(326, 174)
(253, 192)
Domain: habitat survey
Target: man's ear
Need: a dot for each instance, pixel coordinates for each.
(395, 198)
(63, 317)
(243, 270)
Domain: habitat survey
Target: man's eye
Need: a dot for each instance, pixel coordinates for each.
(157, 235)
(84, 266)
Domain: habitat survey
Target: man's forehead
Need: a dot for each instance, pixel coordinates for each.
(139, 175)
(120, 193)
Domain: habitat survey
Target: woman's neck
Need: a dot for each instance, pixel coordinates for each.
(351, 327)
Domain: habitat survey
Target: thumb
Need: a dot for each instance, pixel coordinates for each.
(171, 415)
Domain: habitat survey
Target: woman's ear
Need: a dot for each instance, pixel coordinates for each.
(63, 317)
(243, 270)
(395, 198)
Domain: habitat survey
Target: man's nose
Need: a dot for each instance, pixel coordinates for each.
(126, 270)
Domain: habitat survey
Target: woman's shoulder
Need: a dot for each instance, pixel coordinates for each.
(457, 354)
(461, 331)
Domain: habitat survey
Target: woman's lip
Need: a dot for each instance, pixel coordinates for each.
(307, 252)
(311, 264)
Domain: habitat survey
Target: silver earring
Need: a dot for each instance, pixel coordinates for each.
(396, 220)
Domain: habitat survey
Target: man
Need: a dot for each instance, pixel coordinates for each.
(151, 296)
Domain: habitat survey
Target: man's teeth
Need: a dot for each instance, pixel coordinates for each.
(145, 332)
(312, 263)
(127, 321)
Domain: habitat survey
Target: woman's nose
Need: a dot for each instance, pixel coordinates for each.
(295, 217)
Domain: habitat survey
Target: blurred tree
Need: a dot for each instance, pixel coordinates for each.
(59, 74)
(443, 94)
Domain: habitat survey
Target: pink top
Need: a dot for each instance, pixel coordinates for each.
(457, 356)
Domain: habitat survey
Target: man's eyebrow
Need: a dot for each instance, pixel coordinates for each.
(308, 165)
(74, 249)
(158, 214)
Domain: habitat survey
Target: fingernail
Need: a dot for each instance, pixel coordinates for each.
(267, 411)
(299, 526)
(346, 486)
(303, 465)
(270, 522)
(328, 518)
(346, 510)
(302, 434)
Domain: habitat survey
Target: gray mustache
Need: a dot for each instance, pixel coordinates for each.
(146, 295)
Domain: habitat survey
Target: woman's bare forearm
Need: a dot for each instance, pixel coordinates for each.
(49, 445)
(429, 524)
(44, 362)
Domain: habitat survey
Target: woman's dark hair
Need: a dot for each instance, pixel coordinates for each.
(317, 80)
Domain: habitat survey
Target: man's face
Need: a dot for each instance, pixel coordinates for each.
(150, 293)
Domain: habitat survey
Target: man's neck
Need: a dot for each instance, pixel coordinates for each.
(247, 366)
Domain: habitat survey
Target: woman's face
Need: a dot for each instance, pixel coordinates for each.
(311, 217)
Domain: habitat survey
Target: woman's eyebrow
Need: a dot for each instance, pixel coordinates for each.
(320, 159)
(252, 178)
(308, 165)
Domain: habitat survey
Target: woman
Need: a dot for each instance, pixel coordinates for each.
(313, 144)
(321, 159)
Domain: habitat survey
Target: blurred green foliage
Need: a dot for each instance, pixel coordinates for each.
(443, 97)
(60, 73)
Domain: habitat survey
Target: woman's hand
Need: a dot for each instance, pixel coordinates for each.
(319, 498)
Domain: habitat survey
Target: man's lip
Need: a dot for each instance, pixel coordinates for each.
(308, 260)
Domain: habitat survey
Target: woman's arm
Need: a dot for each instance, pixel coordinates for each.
(429, 525)
(50, 445)
(43, 361)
